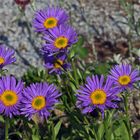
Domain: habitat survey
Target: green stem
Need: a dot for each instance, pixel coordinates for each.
(130, 45)
(75, 73)
(37, 131)
(33, 5)
(128, 123)
(68, 73)
(95, 53)
(6, 128)
(71, 77)
(95, 135)
(92, 130)
(108, 122)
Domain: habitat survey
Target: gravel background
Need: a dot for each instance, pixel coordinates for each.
(90, 18)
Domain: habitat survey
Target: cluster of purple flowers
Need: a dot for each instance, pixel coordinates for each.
(15, 99)
(100, 94)
(52, 22)
(40, 98)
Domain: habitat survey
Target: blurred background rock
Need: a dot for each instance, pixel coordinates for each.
(100, 22)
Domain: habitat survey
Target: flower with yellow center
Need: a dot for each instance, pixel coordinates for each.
(97, 93)
(50, 22)
(59, 38)
(48, 18)
(39, 99)
(39, 102)
(9, 98)
(98, 97)
(58, 64)
(2, 60)
(61, 42)
(6, 56)
(124, 76)
(124, 80)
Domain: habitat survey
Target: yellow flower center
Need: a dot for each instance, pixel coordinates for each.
(58, 64)
(2, 60)
(98, 97)
(39, 102)
(61, 42)
(9, 98)
(50, 22)
(124, 80)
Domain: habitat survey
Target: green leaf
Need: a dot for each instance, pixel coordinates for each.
(101, 131)
(102, 69)
(57, 128)
(78, 49)
(35, 137)
(79, 74)
(83, 52)
(16, 133)
(120, 131)
(73, 87)
(138, 26)
(80, 41)
(1, 119)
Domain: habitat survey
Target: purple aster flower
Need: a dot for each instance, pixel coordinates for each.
(59, 38)
(6, 56)
(39, 99)
(55, 63)
(123, 76)
(49, 18)
(10, 96)
(97, 94)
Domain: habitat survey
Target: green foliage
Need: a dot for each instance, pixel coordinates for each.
(34, 75)
(3, 72)
(1, 119)
(74, 126)
(120, 131)
(78, 49)
(102, 68)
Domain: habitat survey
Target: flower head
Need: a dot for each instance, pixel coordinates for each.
(49, 18)
(55, 63)
(96, 94)
(59, 38)
(123, 76)
(39, 99)
(10, 96)
(6, 56)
